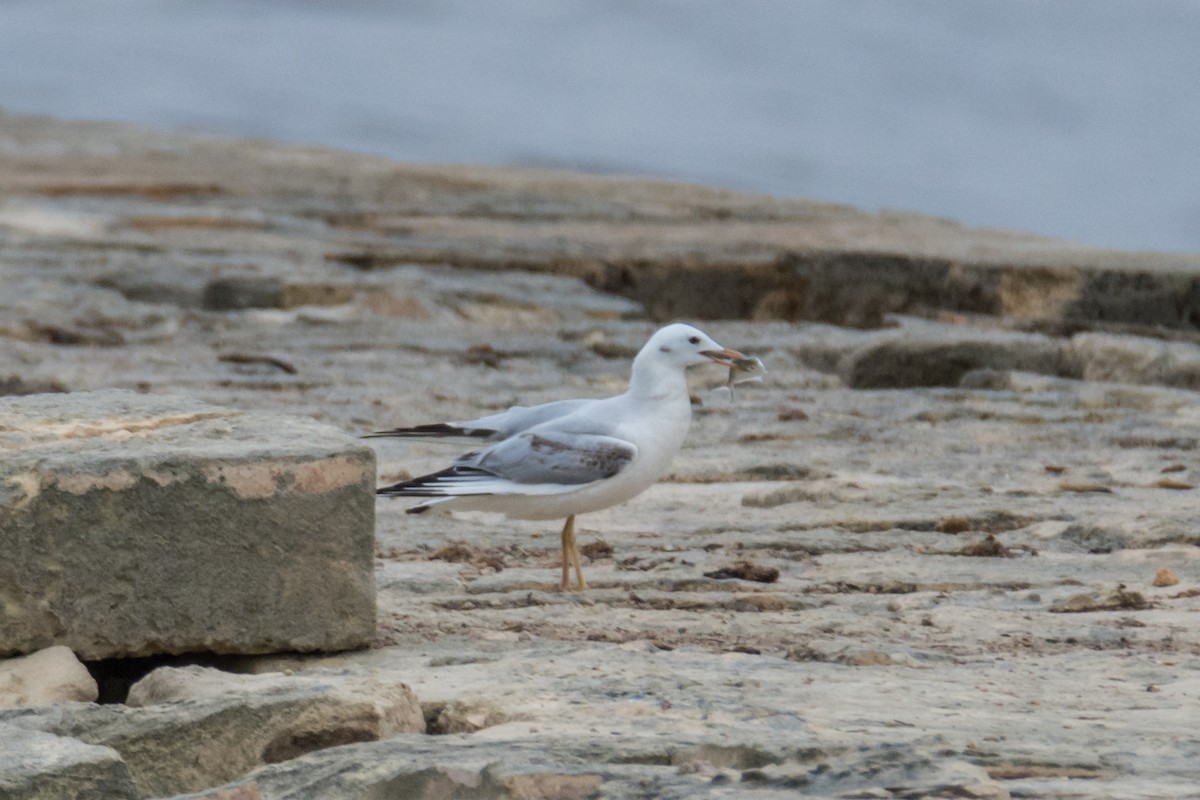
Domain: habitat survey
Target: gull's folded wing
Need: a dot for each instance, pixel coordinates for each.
(546, 462)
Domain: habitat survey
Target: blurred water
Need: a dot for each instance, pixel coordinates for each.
(1076, 118)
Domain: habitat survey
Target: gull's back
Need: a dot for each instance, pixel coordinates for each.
(521, 418)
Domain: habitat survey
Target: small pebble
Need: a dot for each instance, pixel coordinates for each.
(1165, 577)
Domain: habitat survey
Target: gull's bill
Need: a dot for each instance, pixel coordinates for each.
(725, 357)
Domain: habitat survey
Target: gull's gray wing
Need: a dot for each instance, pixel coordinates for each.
(545, 462)
(553, 457)
(492, 428)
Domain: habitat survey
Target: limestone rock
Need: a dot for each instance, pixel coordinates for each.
(195, 683)
(451, 767)
(41, 766)
(888, 771)
(1116, 600)
(239, 791)
(192, 728)
(395, 707)
(942, 357)
(423, 577)
(1131, 359)
(679, 250)
(575, 768)
(40, 310)
(53, 675)
(1108, 538)
(16, 384)
(241, 292)
(464, 715)
(206, 529)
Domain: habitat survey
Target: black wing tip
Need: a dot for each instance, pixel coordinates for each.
(405, 490)
(436, 430)
(425, 485)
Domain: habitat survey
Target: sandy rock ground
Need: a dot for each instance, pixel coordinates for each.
(981, 578)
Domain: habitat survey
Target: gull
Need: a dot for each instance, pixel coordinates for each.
(561, 459)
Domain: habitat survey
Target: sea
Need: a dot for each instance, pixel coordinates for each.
(1073, 118)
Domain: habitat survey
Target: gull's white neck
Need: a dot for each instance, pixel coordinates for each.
(653, 378)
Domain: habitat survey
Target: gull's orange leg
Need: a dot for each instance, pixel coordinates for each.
(570, 555)
(568, 539)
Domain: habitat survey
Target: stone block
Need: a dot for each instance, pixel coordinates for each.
(135, 524)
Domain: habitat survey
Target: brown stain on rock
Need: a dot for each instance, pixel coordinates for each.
(747, 571)
(151, 191)
(990, 547)
(953, 525)
(327, 475)
(193, 222)
(1038, 293)
(1084, 488)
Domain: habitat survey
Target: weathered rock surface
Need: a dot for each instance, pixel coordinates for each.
(578, 770)
(942, 355)
(1130, 359)
(40, 766)
(53, 675)
(677, 250)
(139, 524)
(626, 721)
(924, 636)
(187, 729)
(233, 294)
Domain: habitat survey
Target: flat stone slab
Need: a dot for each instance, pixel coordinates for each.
(136, 524)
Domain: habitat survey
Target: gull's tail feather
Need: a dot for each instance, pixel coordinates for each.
(465, 481)
(427, 505)
(440, 430)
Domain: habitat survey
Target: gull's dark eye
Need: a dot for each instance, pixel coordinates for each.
(693, 340)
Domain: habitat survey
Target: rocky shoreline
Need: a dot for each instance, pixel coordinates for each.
(949, 548)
